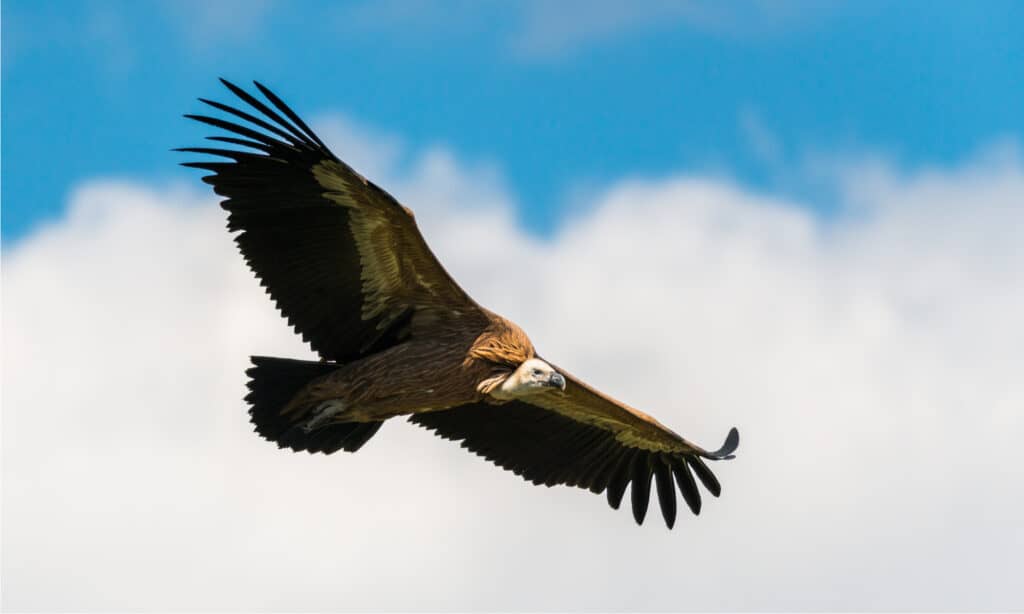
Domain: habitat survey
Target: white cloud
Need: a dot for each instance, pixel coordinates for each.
(762, 142)
(872, 366)
(541, 30)
(101, 33)
(209, 24)
(557, 28)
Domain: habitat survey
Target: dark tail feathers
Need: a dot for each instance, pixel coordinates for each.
(272, 384)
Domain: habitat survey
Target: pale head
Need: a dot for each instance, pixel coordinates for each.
(533, 376)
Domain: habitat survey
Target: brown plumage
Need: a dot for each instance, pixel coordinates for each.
(346, 265)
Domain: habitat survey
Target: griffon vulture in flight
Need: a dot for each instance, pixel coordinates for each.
(346, 265)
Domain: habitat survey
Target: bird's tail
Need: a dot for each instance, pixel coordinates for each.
(273, 382)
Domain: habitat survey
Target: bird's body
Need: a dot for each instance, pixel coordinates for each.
(346, 264)
(458, 357)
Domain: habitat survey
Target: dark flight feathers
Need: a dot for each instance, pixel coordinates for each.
(299, 242)
(547, 448)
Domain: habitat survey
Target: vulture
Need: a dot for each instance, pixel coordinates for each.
(396, 336)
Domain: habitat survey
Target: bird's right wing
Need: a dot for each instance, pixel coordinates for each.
(583, 438)
(342, 259)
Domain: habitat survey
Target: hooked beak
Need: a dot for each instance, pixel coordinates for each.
(557, 381)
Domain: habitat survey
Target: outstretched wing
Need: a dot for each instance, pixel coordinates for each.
(583, 438)
(341, 258)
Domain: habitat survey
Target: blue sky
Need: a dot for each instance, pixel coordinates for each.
(562, 99)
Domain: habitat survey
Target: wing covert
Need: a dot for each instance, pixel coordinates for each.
(631, 426)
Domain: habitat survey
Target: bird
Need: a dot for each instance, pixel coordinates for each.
(396, 336)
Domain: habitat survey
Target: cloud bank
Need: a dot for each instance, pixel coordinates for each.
(872, 364)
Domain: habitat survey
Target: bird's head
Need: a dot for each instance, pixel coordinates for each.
(533, 376)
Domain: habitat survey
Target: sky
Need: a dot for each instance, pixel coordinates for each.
(564, 97)
(801, 219)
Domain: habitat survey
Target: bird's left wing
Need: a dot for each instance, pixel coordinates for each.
(583, 438)
(343, 260)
